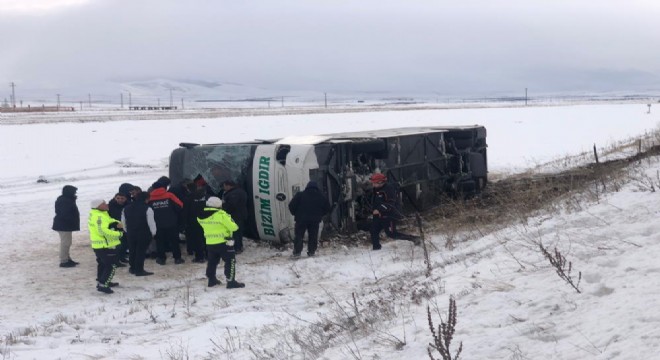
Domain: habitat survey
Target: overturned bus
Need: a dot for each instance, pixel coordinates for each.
(425, 162)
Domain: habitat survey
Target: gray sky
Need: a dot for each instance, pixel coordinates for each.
(444, 47)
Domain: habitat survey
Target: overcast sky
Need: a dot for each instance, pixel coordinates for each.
(444, 47)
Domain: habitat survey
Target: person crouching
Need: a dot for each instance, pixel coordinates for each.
(218, 228)
(104, 233)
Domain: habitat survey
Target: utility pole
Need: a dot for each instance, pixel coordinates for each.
(525, 96)
(58, 102)
(121, 97)
(282, 101)
(182, 104)
(80, 105)
(171, 100)
(130, 103)
(89, 99)
(158, 102)
(13, 94)
(326, 99)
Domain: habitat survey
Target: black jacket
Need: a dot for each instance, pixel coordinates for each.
(385, 201)
(193, 205)
(167, 208)
(67, 217)
(135, 215)
(114, 209)
(310, 204)
(234, 202)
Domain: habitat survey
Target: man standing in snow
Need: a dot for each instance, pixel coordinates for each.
(308, 208)
(140, 227)
(218, 227)
(167, 208)
(66, 221)
(234, 202)
(104, 233)
(193, 205)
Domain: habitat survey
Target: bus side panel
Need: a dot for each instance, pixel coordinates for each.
(263, 188)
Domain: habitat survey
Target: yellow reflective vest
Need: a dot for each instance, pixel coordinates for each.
(217, 227)
(100, 234)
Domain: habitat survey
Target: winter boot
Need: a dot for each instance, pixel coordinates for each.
(213, 282)
(104, 289)
(233, 284)
(143, 273)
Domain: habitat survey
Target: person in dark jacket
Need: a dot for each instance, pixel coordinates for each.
(193, 205)
(66, 221)
(115, 207)
(385, 212)
(167, 208)
(140, 228)
(308, 208)
(234, 202)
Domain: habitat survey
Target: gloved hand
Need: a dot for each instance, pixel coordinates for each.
(230, 243)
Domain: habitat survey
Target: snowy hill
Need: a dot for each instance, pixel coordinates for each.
(349, 302)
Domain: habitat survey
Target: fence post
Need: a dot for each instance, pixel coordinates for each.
(595, 154)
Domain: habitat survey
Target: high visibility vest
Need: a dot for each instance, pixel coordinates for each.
(100, 234)
(217, 227)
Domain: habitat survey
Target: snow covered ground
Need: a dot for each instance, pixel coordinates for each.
(350, 302)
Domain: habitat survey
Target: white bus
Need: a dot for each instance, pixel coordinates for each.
(425, 162)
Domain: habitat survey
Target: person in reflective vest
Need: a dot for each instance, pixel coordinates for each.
(218, 228)
(104, 233)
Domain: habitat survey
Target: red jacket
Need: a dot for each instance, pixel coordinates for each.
(167, 208)
(162, 194)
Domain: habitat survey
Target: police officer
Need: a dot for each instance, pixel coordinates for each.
(104, 233)
(218, 228)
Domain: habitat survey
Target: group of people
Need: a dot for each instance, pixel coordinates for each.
(134, 224)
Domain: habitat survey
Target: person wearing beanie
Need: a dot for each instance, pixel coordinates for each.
(126, 190)
(104, 233)
(66, 221)
(218, 228)
(308, 208)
